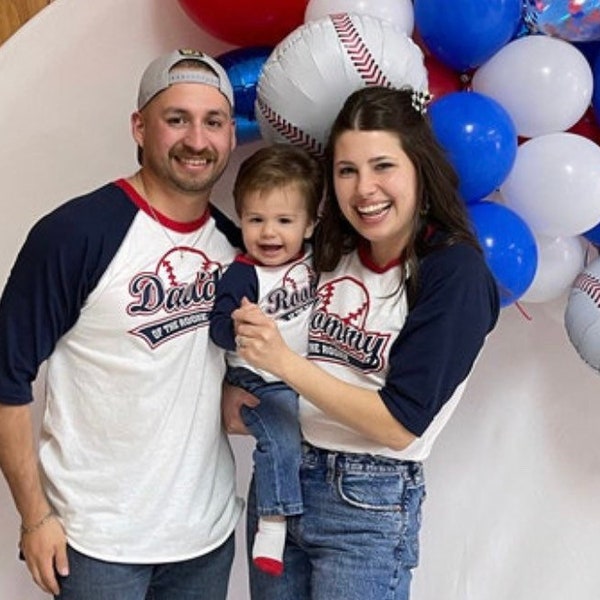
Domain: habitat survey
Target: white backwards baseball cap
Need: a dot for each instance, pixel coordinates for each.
(159, 75)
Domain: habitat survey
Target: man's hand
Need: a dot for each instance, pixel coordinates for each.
(45, 552)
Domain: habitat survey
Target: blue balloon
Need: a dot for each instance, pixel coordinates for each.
(596, 93)
(479, 137)
(591, 51)
(522, 29)
(463, 34)
(243, 66)
(593, 235)
(246, 130)
(509, 247)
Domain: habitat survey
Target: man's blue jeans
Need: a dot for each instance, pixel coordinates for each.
(274, 425)
(358, 537)
(202, 578)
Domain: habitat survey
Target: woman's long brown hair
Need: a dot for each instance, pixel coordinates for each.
(439, 205)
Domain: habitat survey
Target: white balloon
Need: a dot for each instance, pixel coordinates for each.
(309, 74)
(560, 259)
(544, 83)
(399, 13)
(554, 184)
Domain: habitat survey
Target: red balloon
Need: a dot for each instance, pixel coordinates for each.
(442, 79)
(587, 126)
(243, 23)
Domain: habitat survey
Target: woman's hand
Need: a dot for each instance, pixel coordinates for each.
(258, 339)
(362, 409)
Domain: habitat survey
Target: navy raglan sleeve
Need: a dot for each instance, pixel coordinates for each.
(457, 306)
(238, 281)
(60, 263)
(226, 226)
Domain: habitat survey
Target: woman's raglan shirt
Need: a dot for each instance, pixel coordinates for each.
(132, 449)
(419, 360)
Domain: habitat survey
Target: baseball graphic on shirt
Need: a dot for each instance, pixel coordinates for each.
(180, 265)
(293, 293)
(346, 298)
(309, 74)
(299, 276)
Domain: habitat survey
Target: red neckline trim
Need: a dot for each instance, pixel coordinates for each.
(142, 204)
(364, 253)
(249, 260)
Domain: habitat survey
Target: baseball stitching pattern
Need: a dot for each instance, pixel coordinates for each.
(590, 285)
(290, 132)
(357, 51)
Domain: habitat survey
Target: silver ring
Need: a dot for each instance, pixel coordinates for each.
(239, 341)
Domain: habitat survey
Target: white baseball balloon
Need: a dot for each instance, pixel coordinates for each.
(310, 73)
(399, 13)
(582, 314)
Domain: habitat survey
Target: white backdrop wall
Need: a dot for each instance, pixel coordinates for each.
(514, 481)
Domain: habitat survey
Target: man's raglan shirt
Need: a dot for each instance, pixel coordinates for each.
(132, 450)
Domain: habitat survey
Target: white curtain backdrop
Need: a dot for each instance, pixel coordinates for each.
(514, 481)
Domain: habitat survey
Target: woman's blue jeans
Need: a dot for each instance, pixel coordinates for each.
(358, 537)
(274, 424)
(203, 578)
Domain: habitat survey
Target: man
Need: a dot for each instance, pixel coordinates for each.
(134, 494)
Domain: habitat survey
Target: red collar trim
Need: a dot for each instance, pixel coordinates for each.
(364, 253)
(249, 260)
(142, 204)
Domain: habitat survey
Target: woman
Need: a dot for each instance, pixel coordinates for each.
(404, 303)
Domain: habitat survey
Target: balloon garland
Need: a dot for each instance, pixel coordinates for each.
(516, 87)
